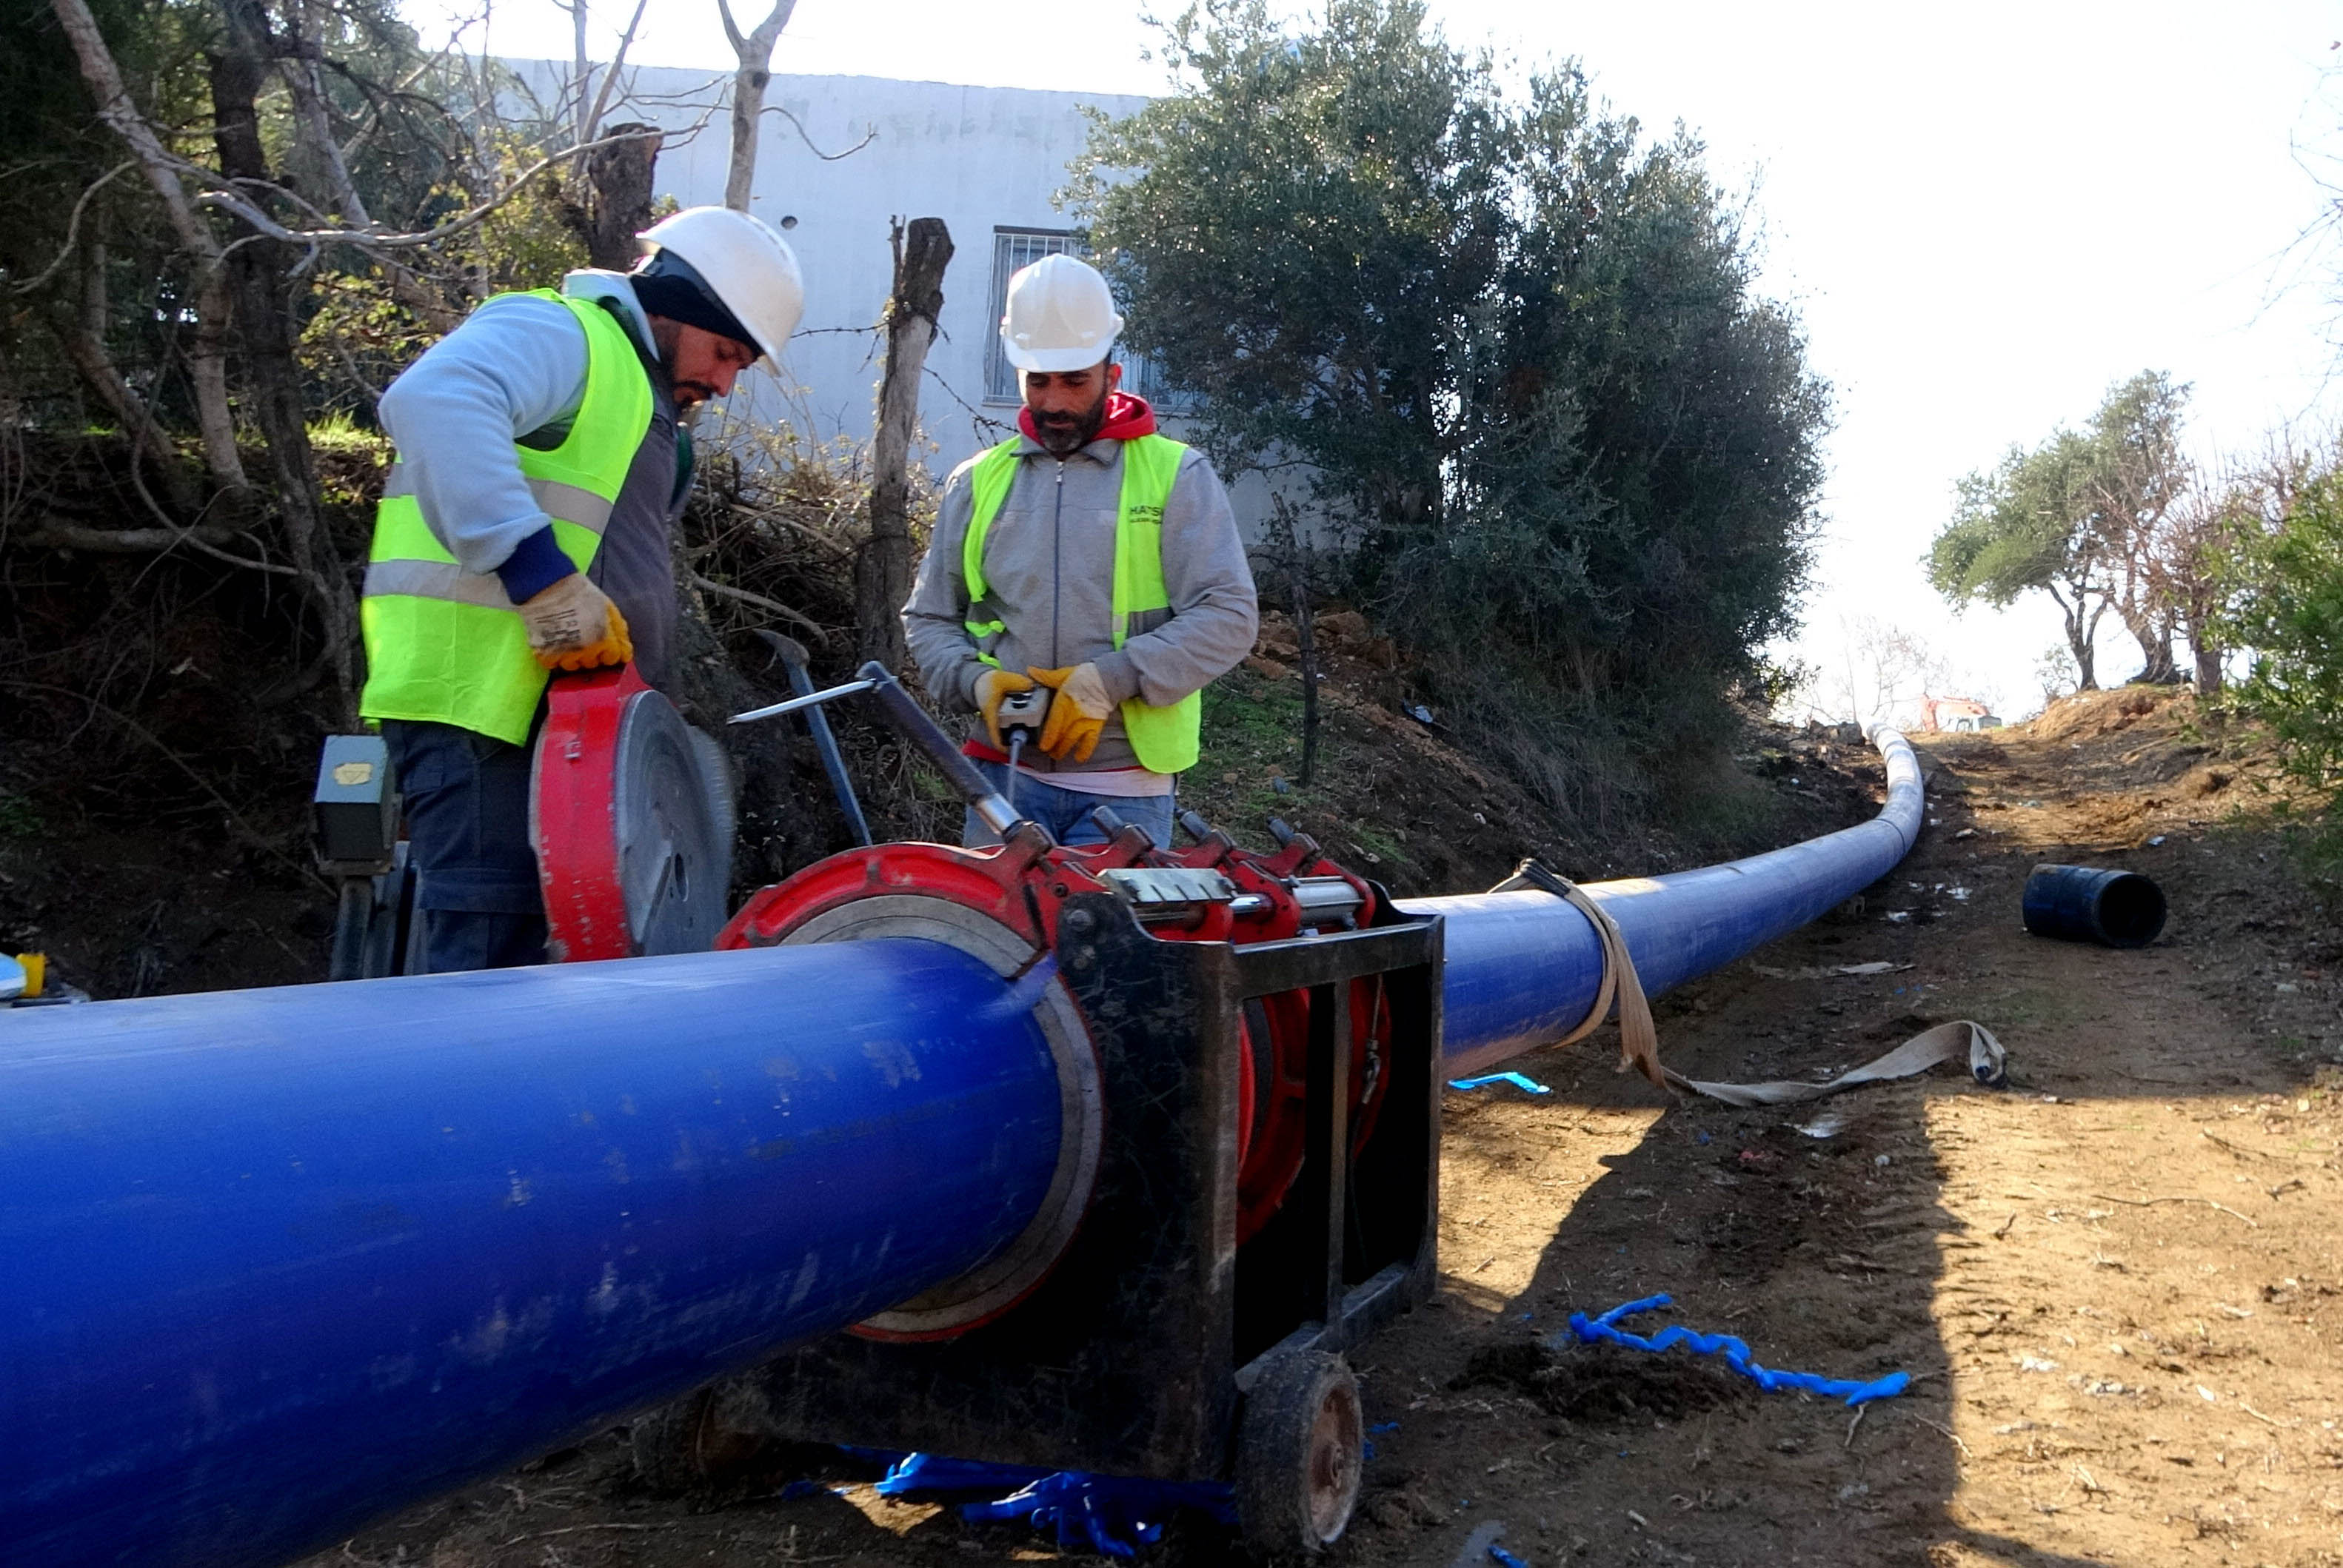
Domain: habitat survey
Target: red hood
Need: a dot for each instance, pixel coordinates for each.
(1127, 419)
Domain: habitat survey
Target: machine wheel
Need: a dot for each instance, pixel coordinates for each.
(1301, 1447)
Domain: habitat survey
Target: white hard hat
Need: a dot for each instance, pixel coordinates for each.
(1060, 315)
(749, 268)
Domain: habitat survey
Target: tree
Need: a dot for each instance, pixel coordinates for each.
(2139, 479)
(753, 51)
(2030, 525)
(2095, 518)
(1509, 343)
(2287, 608)
(253, 194)
(1882, 672)
(882, 566)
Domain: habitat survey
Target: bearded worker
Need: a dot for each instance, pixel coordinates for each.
(544, 454)
(1088, 555)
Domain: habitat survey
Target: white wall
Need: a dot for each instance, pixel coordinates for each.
(975, 157)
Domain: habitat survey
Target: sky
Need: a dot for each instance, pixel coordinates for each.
(1985, 215)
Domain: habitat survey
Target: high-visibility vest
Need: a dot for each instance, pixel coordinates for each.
(446, 645)
(1166, 739)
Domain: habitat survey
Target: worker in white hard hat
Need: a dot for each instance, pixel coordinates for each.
(544, 453)
(1087, 557)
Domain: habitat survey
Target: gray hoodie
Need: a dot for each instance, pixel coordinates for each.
(1049, 568)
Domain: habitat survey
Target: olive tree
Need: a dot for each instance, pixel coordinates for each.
(1512, 342)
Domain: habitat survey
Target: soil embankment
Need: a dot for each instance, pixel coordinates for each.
(2115, 1284)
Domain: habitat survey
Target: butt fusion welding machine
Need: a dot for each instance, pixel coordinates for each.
(1247, 1050)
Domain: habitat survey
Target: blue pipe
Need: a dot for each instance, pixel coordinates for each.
(276, 1262)
(1523, 968)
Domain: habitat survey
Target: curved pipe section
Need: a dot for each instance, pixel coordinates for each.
(1523, 968)
(278, 1261)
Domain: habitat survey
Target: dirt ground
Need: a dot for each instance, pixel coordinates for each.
(2114, 1283)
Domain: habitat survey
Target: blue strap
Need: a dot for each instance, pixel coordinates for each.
(1735, 1354)
(1112, 1515)
(1519, 1080)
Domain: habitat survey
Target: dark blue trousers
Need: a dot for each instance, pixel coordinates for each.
(1067, 812)
(466, 801)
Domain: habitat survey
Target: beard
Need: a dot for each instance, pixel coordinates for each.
(1065, 434)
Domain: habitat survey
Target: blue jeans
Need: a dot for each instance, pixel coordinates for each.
(466, 796)
(1066, 813)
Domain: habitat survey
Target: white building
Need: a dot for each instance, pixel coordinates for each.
(986, 160)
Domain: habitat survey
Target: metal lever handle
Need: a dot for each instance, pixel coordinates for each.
(913, 723)
(811, 700)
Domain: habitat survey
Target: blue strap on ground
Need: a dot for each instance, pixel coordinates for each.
(1109, 1515)
(911, 1472)
(1519, 1080)
(1605, 1329)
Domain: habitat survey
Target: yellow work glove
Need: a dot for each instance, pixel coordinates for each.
(991, 687)
(573, 625)
(1077, 715)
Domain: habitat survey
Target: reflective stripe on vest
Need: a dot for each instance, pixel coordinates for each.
(1166, 740)
(555, 499)
(445, 645)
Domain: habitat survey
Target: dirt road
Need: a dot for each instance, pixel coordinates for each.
(2115, 1284)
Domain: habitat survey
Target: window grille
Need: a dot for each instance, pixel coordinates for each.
(1014, 250)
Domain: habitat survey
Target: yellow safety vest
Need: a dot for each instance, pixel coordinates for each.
(445, 645)
(1165, 739)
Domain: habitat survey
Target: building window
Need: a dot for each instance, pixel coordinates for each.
(1014, 250)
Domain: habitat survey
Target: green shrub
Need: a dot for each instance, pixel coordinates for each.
(2286, 608)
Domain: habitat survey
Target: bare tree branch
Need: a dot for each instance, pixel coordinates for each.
(207, 356)
(232, 201)
(610, 77)
(708, 585)
(882, 569)
(755, 54)
(72, 228)
(56, 536)
(870, 134)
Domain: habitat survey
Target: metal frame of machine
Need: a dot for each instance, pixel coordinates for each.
(1155, 1344)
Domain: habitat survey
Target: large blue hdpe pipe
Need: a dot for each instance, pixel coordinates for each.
(276, 1262)
(273, 1264)
(1523, 968)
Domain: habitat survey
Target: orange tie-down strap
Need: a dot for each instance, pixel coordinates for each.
(1639, 1038)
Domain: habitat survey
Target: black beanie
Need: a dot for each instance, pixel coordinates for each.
(666, 286)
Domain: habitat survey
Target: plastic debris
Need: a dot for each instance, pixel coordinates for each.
(1113, 1516)
(1829, 1124)
(1824, 972)
(1520, 1080)
(1500, 1555)
(1605, 1329)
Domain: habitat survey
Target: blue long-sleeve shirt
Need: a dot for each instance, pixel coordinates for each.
(515, 367)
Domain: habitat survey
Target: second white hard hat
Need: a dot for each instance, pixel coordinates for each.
(1060, 315)
(751, 270)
